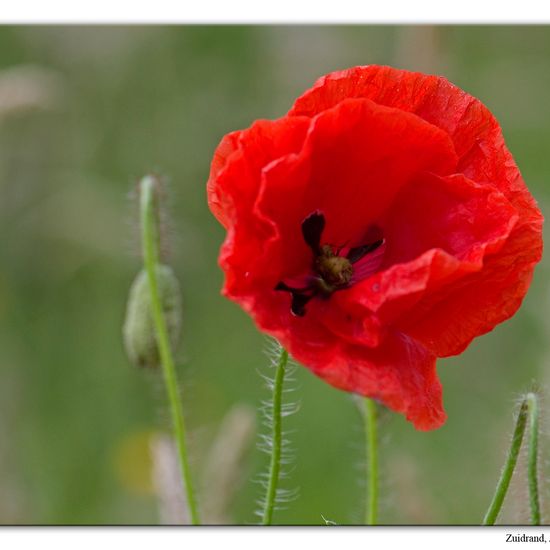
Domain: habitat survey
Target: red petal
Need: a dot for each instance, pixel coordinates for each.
(369, 264)
(374, 147)
(438, 231)
(400, 373)
(245, 153)
(232, 190)
(476, 134)
(355, 160)
(452, 213)
(448, 320)
(228, 145)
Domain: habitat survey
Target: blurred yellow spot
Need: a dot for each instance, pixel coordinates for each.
(132, 463)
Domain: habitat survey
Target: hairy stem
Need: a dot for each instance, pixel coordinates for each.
(276, 437)
(532, 405)
(371, 440)
(150, 244)
(511, 460)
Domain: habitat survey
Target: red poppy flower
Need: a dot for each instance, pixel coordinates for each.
(380, 224)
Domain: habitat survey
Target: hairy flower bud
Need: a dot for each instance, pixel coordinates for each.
(139, 329)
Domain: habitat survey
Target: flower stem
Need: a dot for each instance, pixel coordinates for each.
(150, 244)
(276, 439)
(532, 405)
(511, 460)
(371, 440)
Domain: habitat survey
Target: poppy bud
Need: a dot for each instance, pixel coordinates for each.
(139, 329)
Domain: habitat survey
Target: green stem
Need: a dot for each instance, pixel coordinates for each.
(276, 437)
(532, 405)
(371, 440)
(511, 460)
(150, 243)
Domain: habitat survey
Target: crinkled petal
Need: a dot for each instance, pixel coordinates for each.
(448, 320)
(416, 161)
(400, 373)
(474, 131)
(355, 160)
(236, 175)
(441, 233)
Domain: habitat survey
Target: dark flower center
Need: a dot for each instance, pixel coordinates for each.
(330, 271)
(334, 271)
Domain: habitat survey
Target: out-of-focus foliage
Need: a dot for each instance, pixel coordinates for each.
(84, 112)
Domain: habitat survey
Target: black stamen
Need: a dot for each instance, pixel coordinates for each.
(330, 271)
(300, 297)
(355, 254)
(312, 229)
(298, 305)
(283, 286)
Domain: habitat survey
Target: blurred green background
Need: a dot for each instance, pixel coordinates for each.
(84, 112)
